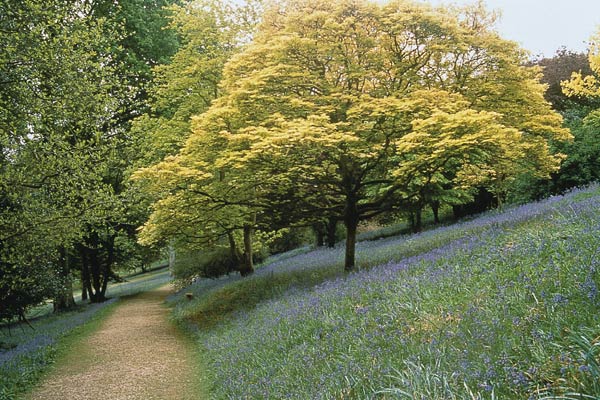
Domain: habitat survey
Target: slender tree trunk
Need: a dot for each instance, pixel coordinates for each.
(107, 267)
(319, 231)
(96, 273)
(331, 229)
(411, 217)
(247, 266)
(234, 251)
(418, 221)
(86, 282)
(349, 263)
(351, 219)
(456, 212)
(435, 207)
(64, 299)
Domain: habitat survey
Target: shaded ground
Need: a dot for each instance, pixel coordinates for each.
(136, 354)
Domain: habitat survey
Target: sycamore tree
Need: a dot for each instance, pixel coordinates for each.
(346, 110)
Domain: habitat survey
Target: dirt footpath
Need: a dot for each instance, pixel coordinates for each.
(136, 354)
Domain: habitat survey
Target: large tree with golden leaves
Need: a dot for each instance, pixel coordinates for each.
(349, 109)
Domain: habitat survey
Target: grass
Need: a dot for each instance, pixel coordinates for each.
(28, 353)
(137, 282)
(32, 351)
(201, 373)
(69, 343)
(140, 283)
(502, 306)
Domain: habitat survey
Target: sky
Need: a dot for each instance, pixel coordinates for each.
(543, 26)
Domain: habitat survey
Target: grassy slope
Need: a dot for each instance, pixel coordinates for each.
(504, 306)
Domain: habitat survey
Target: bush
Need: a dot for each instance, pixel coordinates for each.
(204, 264)
(290, 239)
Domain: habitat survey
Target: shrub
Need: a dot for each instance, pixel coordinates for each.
(290, 239)
(204, 264)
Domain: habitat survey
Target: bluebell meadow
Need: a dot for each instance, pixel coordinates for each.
(505, 305)
(32, 349)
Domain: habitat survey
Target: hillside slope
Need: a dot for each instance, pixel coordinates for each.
(503, 306)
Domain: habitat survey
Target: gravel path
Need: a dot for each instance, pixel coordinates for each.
(136, 354)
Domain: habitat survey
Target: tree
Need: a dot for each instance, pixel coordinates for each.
(145, 43)
(559, 68)
(586, 85)
(211, 32)
(349, 109)
(58, 93)
(581, 165)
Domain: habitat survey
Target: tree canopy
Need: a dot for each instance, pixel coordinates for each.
(58, 91)
(72, 76)
(349, 109)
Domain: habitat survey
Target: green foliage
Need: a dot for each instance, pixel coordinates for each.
(347, 110)
(289, 239)
(571, 78)
(146, 40)
(203, 264)
(24, 286)
(582, 165)
(212, 262)
(58, 92)
(72, 76)
(210, 32)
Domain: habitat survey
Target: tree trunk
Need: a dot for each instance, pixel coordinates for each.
(96, 275)
(107, 267)
(319, 231)
(247, 266)
(171, 256)
(418, 221)
(234, 251)
(349, 263)
(457, 212)
(64, 299)
(331, 229)
(435, 207)
(351, 219)
(86, 281)
(412, 222)
(499, 201)
(98, 271)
